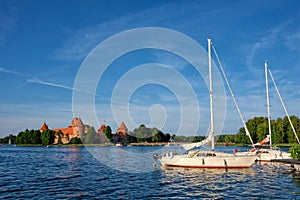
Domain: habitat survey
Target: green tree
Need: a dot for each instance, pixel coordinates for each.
(220, 138)
(290, 133)
(281, 130)
(23, 137)
(262, 129)
(35, 137)
(107, 133)
(10, 137)
(142, 133)
(167, 137)
(47, 137)
(162, 137)
(251, 125)
(198, 138)
(75, 140)
(26, 137)
(91, 136)
(131, 138)
(19, 139)
(295, 151)
(157, 135)
(285, 125)
(241, 137)
(229, 138)
(276, 128)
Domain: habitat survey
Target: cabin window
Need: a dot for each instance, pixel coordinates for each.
(263, 151)
(206, 155)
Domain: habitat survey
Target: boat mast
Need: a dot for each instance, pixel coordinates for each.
(268, 103)
(233, 98)
(210, 95)
(285, 110)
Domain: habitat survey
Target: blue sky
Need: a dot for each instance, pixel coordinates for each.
(44, 43)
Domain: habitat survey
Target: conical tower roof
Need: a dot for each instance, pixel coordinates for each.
(44, 127)
(77, 122)
(101, 128)
(122, 127)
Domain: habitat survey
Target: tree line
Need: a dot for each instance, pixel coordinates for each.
(282, 133)
(146, 134)
(6, 139)
(92, 137)
(35, 137)
(140, 134)
(281, 129)
(154, 135)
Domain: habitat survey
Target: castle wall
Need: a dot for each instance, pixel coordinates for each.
(78, 131)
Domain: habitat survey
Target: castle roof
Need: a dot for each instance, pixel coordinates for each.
(76, 122)
(44, 127)
(65, 131)
(102, 128)
(122, 127)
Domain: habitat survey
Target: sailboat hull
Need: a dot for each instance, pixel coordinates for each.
(266, 155)
(208, 160)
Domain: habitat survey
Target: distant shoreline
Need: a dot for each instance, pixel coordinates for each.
(141, 144)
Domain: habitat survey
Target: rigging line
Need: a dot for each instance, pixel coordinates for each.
(285, 110)
(233, 97)
(268, 103)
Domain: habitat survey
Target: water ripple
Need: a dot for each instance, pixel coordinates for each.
(73, 173)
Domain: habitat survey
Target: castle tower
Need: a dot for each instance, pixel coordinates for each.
(100, 132)
(122, 130)
(44, 127)
(121, 135)
(78, 127)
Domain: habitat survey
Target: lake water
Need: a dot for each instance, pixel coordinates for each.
(128, 173)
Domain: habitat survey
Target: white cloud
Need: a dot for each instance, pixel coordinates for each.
(5, 70)
(272, 37)
(170, 60)
(39, 81)
(36, 80)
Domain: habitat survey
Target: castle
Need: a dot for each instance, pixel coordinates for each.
(78, 129)
(65, 135)
(120, 137)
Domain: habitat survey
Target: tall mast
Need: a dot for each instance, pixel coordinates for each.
(210, 95)
(268, 103)
(285, 110)
(232, 95)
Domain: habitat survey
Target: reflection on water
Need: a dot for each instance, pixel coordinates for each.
(210, 183)
(75, 173)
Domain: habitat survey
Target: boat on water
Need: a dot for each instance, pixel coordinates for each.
(271, 154)
(211, 158)
(268, 154)
(119, 144)
(207, 159)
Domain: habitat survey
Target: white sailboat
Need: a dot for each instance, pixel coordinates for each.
(265, 154)
(206, 159)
